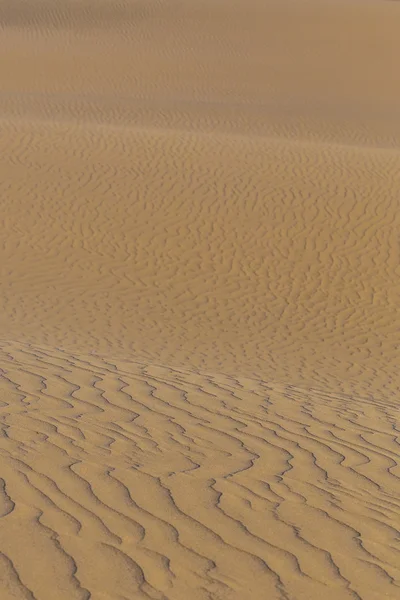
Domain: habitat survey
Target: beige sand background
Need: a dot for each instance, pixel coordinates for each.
(199, 324)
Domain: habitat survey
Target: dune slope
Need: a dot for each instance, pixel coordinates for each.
(223, 252)
(181, 182)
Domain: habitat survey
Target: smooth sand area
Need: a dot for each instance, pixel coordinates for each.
(200, 282)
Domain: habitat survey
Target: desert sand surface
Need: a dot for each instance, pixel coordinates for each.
(200, 282)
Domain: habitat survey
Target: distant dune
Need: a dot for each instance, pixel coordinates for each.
(199, 323)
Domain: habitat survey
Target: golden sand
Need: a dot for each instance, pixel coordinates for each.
(199, 324)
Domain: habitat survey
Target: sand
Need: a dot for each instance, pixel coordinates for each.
(199, 276)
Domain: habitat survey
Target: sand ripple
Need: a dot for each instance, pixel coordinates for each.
(131, 481)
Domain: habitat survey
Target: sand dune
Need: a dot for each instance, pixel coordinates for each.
(199, 325)
(222, 252)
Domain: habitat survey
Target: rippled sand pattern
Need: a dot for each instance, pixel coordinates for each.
(200, 282)
(147, 482)
(222, 252)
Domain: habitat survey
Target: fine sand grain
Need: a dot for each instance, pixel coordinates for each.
(200, 281)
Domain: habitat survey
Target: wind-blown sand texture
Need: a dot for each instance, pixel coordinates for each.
(199, 324)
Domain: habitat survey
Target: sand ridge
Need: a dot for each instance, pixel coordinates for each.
(199, 277)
